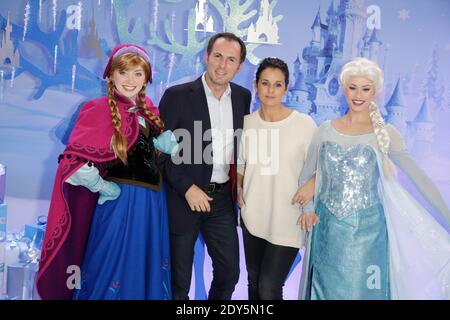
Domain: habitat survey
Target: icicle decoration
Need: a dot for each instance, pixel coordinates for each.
(55, 57)
(171, 66)
(13, 75)
(26, 19)
(55, 3)
(205, 19)
(226, 15)
(155, 13)
(2, 82)
(112, 7)
(80, 6)
(74, 73)
(99, 3)
(173, 25)
(161, 89)
(197, 65)
(155, 23)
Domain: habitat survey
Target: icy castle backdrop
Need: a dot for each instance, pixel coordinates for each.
(53, 52)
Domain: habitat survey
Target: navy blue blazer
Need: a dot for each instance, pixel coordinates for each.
(180, 107)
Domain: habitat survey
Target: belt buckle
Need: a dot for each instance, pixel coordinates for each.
(213, 187)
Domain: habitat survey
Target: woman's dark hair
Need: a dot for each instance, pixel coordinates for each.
(274, 63)
(230, 37)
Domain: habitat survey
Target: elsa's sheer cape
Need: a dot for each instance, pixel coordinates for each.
(419, 247)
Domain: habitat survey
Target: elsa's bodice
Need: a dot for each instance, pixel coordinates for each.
(349, 177)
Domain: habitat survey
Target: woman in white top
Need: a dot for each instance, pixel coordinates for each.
(274, 145)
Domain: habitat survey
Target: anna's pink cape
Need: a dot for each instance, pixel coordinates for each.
(71, 207)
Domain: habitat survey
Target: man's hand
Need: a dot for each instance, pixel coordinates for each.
(197, 199)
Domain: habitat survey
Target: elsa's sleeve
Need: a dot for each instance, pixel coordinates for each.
(400, 155)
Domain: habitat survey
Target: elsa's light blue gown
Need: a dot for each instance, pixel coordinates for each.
(349, 257)
(372, 240)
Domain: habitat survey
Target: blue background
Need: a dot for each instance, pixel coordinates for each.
(37, 104)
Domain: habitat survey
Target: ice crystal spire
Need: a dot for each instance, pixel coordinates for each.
(26, 19)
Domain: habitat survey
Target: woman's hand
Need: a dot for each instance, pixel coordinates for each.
(307, 220)
(305, 193)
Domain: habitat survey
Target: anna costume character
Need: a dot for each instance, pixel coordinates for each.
(108, 215)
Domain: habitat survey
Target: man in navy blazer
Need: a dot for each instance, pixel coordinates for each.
(205, 115)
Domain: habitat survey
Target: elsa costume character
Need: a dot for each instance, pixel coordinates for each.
(373, 240)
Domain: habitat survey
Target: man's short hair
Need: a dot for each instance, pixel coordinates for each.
(231, 37)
